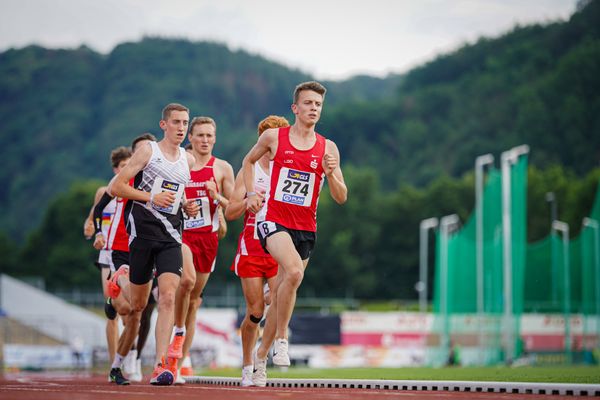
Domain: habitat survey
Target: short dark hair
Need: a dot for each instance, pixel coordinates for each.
(143, 136)
(202, 120)
(311, 85)
(166, 112)
(119, 154)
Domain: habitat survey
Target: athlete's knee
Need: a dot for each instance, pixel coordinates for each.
(255, 309)
(294, 276)
(255, 319)
(186, 284)
(166, 299)
(139, 305)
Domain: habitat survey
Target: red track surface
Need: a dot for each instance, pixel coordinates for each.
(63, 386)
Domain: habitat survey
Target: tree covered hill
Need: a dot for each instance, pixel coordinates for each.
(63, 110)
(538, 85)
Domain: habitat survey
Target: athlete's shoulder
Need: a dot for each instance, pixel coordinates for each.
(220, 163)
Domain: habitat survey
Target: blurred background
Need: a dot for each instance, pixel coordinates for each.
(509, 249)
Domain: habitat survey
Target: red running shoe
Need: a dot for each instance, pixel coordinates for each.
(176, 347)
(113, 283)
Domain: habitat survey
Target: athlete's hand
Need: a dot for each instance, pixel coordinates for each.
(191, 208)
(88, 229)
(330, 163)
(99, 241)
(163, 199)
(254, 203)
(211, 186)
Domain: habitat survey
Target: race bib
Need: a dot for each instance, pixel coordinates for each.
(202, 219)
(163, 185)
(295, 187)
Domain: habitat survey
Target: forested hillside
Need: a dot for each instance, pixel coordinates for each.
(538, 85)
(408, 143)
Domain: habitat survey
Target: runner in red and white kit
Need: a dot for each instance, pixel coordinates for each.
(119, 158)
(300, 159)
(210, 186)
(117, 239)
(252, 264)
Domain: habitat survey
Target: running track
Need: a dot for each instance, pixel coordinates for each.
(62, 386)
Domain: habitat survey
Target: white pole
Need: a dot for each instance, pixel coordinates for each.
(507, 159)
(480, 163)
(592, 223)
(564, 229)
(426, 224)
(445, 224)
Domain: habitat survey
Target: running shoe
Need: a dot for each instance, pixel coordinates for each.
(247, 376)
(259, 374)
(186, 367)
(172, 366)
(176, 347)
(113, 283)
(161, 376)
(280, 353)
(109, 309)
(129, 362)
(179, 379)
(136, 375)
(117, 377)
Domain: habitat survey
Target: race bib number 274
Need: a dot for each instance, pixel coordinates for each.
(295, 187)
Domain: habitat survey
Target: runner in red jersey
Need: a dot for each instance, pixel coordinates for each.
(119, 158)
(252, 264)
(300, 158)
(136, 324)
(210, 186)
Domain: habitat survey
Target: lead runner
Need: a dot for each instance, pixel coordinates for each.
(300, 159)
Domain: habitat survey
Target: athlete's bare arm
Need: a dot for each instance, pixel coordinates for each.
(333, 171)
(191, 208)
(88, 224)
(227, 182)
(267, 143)
(237, 203)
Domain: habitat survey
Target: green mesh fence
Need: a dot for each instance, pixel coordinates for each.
(568, 286)
(553, 275)
(459, 329)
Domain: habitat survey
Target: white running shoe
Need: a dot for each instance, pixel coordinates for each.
(179, 379)
(259, 375)
(247, 376)
(280, 353)
(137, 376)
(129, 362)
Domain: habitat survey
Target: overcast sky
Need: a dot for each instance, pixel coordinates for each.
(329, 39)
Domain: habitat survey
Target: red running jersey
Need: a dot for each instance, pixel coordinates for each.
(296, 181)
(207, 219)
(118, 238)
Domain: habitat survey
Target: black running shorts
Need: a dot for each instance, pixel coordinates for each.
(304, 241)
(144, 255)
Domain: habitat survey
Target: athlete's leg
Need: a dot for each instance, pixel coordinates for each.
(186, 284)
(167, 286)
(145, 326)
(255, 306)
(112, 325)
(291, 268)
(195, 301)
(270, 328)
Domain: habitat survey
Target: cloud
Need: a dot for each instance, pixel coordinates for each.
(325, 38)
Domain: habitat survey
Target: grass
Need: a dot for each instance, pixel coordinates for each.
(564, 374)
